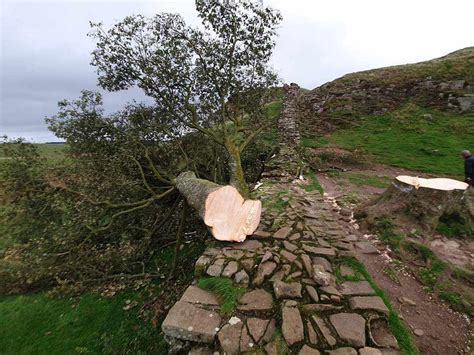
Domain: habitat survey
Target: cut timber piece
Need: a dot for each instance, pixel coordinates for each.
(418, 202)
(435, 184)
(228, 215)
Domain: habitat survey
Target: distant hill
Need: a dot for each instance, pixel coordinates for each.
(445, 84)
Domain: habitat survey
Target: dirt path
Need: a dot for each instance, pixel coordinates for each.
(439, 329)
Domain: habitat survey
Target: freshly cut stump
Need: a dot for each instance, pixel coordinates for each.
(422, 201)
(227, 214)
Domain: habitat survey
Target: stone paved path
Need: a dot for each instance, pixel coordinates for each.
(298, 299)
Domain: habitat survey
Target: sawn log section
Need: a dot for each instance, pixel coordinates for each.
(227, 214)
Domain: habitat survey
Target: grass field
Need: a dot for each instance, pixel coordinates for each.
(52, 152)
(36, 324)
(404, 138)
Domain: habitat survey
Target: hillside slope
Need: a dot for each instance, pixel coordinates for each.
(445, 84)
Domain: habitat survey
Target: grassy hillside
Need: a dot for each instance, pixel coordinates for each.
(444, 84)
(452, 66)
(406, 138)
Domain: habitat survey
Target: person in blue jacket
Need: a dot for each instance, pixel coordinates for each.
(468, 167)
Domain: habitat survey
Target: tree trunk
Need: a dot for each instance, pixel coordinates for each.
(226, 213)
(237, 177)
(414, 201)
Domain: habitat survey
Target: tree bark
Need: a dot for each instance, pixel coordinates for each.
(413, 201)
(227, 214)
(237, 177)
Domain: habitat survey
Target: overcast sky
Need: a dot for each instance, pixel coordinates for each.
(45, 53)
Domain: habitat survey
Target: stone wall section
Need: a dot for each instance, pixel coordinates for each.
(288, 121)
(299, 297)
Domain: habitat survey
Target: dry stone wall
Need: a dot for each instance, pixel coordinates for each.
(299, 298)
(288, 120)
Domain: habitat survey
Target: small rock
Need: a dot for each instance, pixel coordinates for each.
(249, 244)
(419, 332)
(345, 212)
(261, 330)
(346, 271)
(289, 246)
(230, 269)
(233, 254)
(368, 303)
(292, 325)
(294, 237)
(323, 243)
(320, 307)
(335, 298)
(246, 342)
(312, 335)
(248, 264)
(264, 270)
(298, 264)
(256, 300)
(329, 252)
(343, 351)
(229, 338)
(289, 303)
(369, 351)
(331, 290)
(200, 350)
(188, 322)
(282, 233)
(325, 331)
(307, 264)
(407, 301)
(323, 262)
(367, 248)
(350, 327)
(321, 277)
(295, 275)
(288, 256)
(216, 268)
(261, 234)
(267, 256)
(194, 294)
(356, 288)
(306, 350)
(271, 349)
(313, 294)
(287, 290)
(242, 278)
(201, 264)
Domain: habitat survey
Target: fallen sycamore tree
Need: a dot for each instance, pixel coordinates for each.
(227, 214)
(422, 201)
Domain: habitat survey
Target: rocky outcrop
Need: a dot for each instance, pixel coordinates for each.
(445, 83)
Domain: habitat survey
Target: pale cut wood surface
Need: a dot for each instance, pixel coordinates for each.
(227, 214)
(436, 184)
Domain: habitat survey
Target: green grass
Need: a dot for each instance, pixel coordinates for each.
(397, 326)
(47, 150)
(363, 179)
(313, 184)
(226, 292)
(454, 225)
(405, 139)
(314, 142)
(386, 231)
(36, 324)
